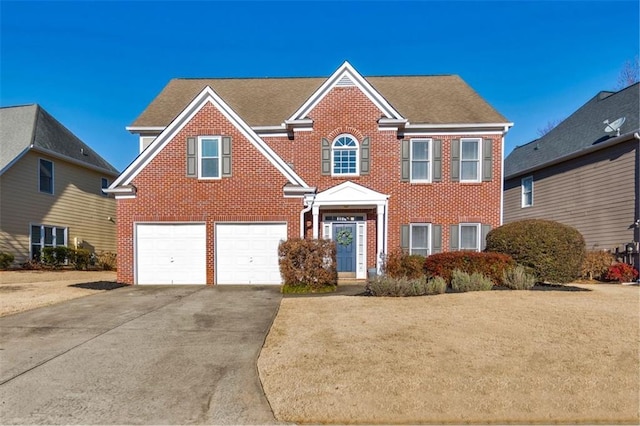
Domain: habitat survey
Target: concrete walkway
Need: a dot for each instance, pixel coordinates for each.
(139, 355)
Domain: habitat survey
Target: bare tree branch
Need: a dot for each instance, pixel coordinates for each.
(629, 74)
(551, 124)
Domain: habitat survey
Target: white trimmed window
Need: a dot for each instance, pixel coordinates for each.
(421, 160)
(419, 238)
(344, 156)
(469, 236)
(45, 176)
(46, 236)
(470, 160)
(209, 157)
(527, 191)
(104, 184)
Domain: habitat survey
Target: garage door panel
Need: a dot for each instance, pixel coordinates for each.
(248, 253)
(171, 253)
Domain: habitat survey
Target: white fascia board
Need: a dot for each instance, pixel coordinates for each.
(454, 128)
(205, 96)
(142, 129)
(346, 69)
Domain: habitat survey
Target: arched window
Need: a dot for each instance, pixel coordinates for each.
(344, 154)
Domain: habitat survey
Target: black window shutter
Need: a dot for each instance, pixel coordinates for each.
(437, 160)
(364, 157)
(436, 239)
(226, 156)
(453, 238)
(455, 160)
(192, 157)
(405, 164)
(404, 238)
(487, 160)
(326, 157)
(485, 231)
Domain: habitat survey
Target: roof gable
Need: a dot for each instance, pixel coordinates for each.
(582, 131)
(348, 193)
(207, 95)
(30, 127)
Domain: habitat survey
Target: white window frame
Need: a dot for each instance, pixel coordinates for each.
(41, 243)
(429, 160)
(478, 160)
(103, 186)
(218, 140)
(334, 149)
(478, 227)
(429, 237)
(524, 192)
(40, 160)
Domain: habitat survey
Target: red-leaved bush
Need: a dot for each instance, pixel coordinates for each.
(622, 272)
(491, 265)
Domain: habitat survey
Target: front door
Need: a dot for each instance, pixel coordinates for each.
(344, 234)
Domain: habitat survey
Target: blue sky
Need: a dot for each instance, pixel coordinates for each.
(96, 65)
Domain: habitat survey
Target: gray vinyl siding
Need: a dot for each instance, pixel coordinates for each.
(597, 194)
(76, 204)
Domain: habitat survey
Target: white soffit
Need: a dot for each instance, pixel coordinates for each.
(349, 193)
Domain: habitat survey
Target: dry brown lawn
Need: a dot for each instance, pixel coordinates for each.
(24, 290)
(482, 357)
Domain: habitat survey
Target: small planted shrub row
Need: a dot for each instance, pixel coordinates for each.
(386, 285)
(596, 264)
(55, 257)
(107, 261)
(518, 278)
(6, 259)
(308, 265)
(491, 265)
(399, 264)
(553, 250)
(462, 281)
(622, 272)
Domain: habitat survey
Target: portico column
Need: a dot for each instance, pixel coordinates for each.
(380, 236)
(316, 212)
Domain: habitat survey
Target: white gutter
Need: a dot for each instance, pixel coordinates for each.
(302, 213)
(140, 129)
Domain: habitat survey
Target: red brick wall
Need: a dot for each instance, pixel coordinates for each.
(254, 192)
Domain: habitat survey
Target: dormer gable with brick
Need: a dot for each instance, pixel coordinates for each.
(377, 164)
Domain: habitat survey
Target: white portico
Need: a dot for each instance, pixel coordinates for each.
(348, 202)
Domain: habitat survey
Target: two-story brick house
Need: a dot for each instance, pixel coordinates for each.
(229, 167)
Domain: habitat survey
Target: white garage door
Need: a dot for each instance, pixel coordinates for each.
(247, 253)
(171, 253)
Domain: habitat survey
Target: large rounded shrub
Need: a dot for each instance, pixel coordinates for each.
(553, 251)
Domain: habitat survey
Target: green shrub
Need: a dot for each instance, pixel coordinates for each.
(436, 285)
(107, 261)
(596, 264)
(55, 256)
(401, 264)
(80, 258)
(552, 250)
(491, 265)
(308, 263)
(6, 259)
(462, 281)
(518, 278)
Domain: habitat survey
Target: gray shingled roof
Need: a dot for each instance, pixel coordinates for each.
(270, 101)
(22, 127)
(582, 130)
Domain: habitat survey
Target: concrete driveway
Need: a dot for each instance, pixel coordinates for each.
(139, 355)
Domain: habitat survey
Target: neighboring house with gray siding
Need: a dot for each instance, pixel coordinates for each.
(51, 187)
(584, 173)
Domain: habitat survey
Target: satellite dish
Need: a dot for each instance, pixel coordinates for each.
(615, 126)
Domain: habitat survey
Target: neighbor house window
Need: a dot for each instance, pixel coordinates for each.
(344, 154)
(470, 160)
(104, 184)
(527, 191)
(46, 236)
(470, 236)
(45, 171)
(420, 160)
(209, 157)
(419, 238)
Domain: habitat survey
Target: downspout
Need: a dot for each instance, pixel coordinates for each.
(302, 213)
(636, 135)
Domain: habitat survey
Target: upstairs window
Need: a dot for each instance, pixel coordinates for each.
(344, 154)
(45, 171)
(527, 191)
(470, 160)
(104, 184)
(209, 157)
(421, 160)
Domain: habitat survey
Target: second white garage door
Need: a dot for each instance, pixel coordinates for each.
(247, 253)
